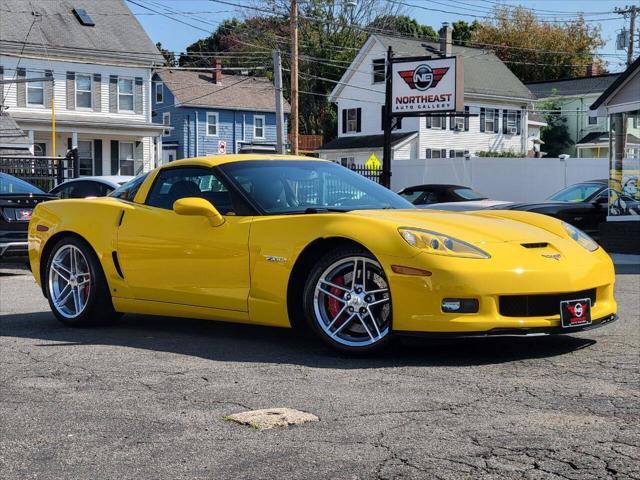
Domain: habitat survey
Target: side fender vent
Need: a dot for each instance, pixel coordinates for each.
(116, 263)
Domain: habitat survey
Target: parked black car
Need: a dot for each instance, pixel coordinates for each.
(583, 205)
(17, 201)
(436, 193)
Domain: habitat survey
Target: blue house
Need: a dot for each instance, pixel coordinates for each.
(210, 113)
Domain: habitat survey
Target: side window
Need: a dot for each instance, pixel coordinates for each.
(128, 190)
(175, 183)
(64, 192)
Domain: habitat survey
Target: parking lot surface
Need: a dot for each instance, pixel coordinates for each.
(147, 399)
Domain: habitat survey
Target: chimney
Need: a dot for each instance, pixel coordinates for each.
(446, 39)
(217, 72)
(592, 69)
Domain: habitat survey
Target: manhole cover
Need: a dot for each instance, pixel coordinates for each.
(272, 417)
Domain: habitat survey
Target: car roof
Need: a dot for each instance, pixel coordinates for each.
(433, 186)
(215, 160)
(111, 180)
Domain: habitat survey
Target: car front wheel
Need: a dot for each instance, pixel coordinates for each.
(76, 288)
(347, 301)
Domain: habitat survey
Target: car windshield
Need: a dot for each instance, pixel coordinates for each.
(9, 185)
(285, 186)
(468, 194)
(577, 193)
(411, 196)
(127, 191)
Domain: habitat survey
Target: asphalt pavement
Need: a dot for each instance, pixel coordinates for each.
(147, 399)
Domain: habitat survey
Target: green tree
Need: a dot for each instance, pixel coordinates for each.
(463, 31)
(538, 50)
(402, 25)
(330, 35)
(555, 134)
(169, 58)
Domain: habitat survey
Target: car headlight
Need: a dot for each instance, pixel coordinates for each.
(440, 244)
(582, 238)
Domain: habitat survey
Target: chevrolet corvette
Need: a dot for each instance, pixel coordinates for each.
(290, 241)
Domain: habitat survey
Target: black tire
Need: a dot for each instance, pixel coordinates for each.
(98, 309)
(312, 306)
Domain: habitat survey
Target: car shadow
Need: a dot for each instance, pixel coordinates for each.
(247, 343)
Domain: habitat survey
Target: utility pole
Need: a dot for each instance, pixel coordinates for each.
(632, 11)
(385, 179)
(277, 73)
(632, 29)
(294, 77)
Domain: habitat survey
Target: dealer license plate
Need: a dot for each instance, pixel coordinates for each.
(575, 313)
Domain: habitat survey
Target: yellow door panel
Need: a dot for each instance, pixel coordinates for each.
(167, 257)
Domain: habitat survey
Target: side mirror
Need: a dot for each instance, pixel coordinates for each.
(194, 206)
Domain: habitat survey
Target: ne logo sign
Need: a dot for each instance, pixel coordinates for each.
(427, 85)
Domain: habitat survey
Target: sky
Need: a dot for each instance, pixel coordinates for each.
(206, 14)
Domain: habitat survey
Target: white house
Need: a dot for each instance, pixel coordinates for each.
(496, 100)
(589, 133)
(99, 61)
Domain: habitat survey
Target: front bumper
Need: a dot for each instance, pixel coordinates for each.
(417, 300)
(515, 332)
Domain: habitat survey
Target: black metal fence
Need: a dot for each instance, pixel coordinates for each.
(43, 172)
(371, 173)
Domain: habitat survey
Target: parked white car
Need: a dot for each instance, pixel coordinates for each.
(90, 186)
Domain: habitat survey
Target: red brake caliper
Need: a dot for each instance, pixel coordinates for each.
(333, 305)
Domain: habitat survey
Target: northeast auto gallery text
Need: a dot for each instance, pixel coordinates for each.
(423, 102)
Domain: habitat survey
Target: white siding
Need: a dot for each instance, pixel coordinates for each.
(60, 70)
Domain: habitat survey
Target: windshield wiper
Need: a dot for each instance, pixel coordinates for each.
(324, 210)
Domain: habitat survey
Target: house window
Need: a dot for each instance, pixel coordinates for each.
(125, 94)
(83, 91)
(490, 120)
(159, 92)
(212, 124)
(166, 120)
(258, 126)
(593, 120)
(350, 119)
(378, 69)
(458, 153)
(438, 122)
(511, 121)
(126, 158)
(35, 90)
(436, 153)
(348, 162)
(85, 157)
(39, 149)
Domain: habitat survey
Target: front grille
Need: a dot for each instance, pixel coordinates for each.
(539, 305)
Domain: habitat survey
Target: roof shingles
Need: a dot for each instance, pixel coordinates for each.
(117, 34)
(234, 92)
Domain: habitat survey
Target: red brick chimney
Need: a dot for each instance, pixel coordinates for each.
(217, 72)
(592, 69)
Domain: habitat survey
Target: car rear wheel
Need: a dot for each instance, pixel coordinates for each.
(347, 301)
(76, 287)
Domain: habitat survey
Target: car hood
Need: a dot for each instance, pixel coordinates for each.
(478, 227)
(534, 205)
(463, 206)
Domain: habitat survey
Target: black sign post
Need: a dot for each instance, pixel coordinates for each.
(385, 180)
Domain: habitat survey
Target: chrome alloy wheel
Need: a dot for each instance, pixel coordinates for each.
(352, 303)
(69, 281)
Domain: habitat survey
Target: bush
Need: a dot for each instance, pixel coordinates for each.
(507, 154)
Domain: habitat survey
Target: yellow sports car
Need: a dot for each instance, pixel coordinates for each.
(285, 241)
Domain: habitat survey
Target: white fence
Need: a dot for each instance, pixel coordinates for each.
(512, 179)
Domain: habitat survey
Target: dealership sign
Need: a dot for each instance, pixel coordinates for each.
(427, 85)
